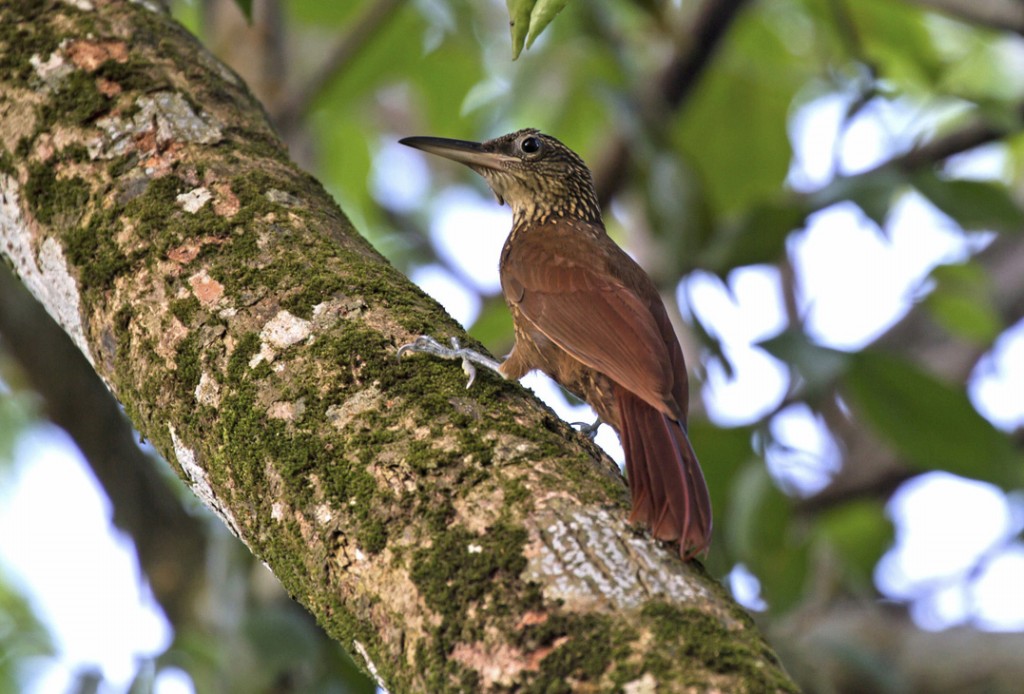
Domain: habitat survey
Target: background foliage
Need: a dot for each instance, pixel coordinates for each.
(687, 112)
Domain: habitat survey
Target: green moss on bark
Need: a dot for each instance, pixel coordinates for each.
(23, 34)
(55, 200)
(684, 636)
(77, 100)
(595, 643)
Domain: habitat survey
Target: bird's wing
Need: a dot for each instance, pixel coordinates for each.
(592, 313)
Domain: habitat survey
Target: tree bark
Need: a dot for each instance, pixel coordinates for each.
(453, 539)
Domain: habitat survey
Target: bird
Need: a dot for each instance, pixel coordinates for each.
(587, 315)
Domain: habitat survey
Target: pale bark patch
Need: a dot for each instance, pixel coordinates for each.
(576, 553)
(45, 275)
(51, 69)
(285, 410)
(366, 400)
(162, 118)
(208, 391)
(193, 200)
(284, 330)
(498, 663)
(226, 203)
(208, 290)
(200, 482)
(83, 5)
(480, 509)
(89, 55)
(645, 685)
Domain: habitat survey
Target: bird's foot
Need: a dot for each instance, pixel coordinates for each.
(588, 430)
(470, 358)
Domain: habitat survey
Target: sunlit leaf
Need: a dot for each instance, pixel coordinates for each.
(962, 302)
(930, 422)
(528, 18)
(543, 12)
(973, 204)
(18, 409)
(519, 23)
(23, 637)
(894, 37)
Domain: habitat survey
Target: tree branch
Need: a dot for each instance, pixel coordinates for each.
(455, 540)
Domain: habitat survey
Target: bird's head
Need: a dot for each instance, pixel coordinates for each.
(534, 173)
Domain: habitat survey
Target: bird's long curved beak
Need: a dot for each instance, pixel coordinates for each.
(471, 154)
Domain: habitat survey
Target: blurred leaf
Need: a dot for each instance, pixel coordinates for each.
(676, 208)
(493, 327)
(895, 38)
(23, 637)
(818, 366)
(859, 533)
(528, 18)
(972, 204)
(723, 452)
(962, 302)
(929, 421)
(873, 193)
(743, 153)
(760, 532)
(281, 637)
(18, 409)
(246, 7)
(760, 237)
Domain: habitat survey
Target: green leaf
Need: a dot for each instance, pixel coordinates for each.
(24, 640)
(895, 37)
(528, 18)
(493, 327)
(962, 302)
(930, 422)
(742, 153)
(972, 204)
(723, 453)
(519, 23)
(543, 12)
(858, 533)
(246, 7)
(818, 366)
(873, 193)
(759, 237)
(762, 535)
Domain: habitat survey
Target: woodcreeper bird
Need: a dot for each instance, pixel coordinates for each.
(590, 318)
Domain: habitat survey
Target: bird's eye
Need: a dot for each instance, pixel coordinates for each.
(530, 145)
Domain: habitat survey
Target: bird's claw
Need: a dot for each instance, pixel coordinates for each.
(470, 358)
(588, 430)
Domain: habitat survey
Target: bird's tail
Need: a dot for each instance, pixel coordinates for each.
(665, 480)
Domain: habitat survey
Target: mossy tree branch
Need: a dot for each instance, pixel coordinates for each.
(455, 540)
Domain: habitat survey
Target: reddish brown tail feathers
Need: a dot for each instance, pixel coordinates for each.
(665, 480)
